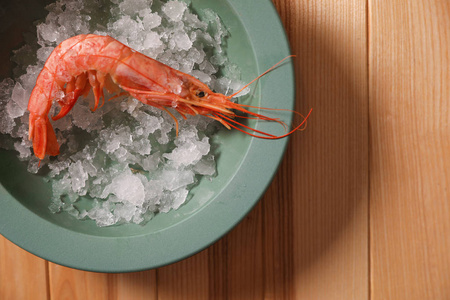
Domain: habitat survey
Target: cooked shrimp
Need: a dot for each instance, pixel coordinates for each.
(92, 61)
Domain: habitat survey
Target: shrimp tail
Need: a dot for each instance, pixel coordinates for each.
(43, 137)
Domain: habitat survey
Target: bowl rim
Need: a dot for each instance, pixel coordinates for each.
(129, 254)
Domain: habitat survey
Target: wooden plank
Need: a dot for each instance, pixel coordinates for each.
(67, 283)
(218, 270)
(236, 262)
(245, 260)
(231, 268)
(136, 286)
(186, 279)
(22, 275)
(254, 261)
(330, 158)
(410, 146)
(277, 235)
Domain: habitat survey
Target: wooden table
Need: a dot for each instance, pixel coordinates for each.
(360, 206)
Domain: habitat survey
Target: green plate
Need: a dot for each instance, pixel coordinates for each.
(245, 168)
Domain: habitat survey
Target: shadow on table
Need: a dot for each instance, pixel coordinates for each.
(312, 223)
(328, 162)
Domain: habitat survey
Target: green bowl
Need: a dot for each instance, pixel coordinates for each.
(245, 168)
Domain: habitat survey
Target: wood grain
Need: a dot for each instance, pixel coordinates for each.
(277, 226)
(410, 146)
(67, 283)
(244, 258)
(330, 158)
(187, 279)
(136, 286)
(22, 275)
(359, 208)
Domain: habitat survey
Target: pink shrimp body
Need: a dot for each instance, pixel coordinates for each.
(92, 61)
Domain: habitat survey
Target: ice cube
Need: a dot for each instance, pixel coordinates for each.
(147, 123)
(20, 96)
(85, 119)
(28, 80)
(174, 10)
(58, 166)
(202, 76)
(14, 110)
(131, 7)
(188, 152)
(128, 188)
(125, 212)
(48, 32)
(55, 206)
(150, 20)
(34, 165)
(142, 147)
(152, 40)
(196, 55)
(150, 162)
(237, 85)
(111, 144)
(153, 191)
(165, 203)
(208, 67)
(182, 41)
(63, 123)
(89, 167)
(193, 21)
(102, 214)
(206, 167)
(44, 52)
(177, 179)
(218, 59)
(62, 186)
(215, 24)
(23, 149)
(78, 176)
(125, 28)
(179, 197)
(6, 87)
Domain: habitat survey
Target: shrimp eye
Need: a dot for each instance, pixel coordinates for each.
(201, 94)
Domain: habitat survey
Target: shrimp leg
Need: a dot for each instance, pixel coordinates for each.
(74, 90)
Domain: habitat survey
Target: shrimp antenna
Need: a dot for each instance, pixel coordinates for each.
(262, 135)
(270, 69)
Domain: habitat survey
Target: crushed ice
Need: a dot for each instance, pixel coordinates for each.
(124, 157)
